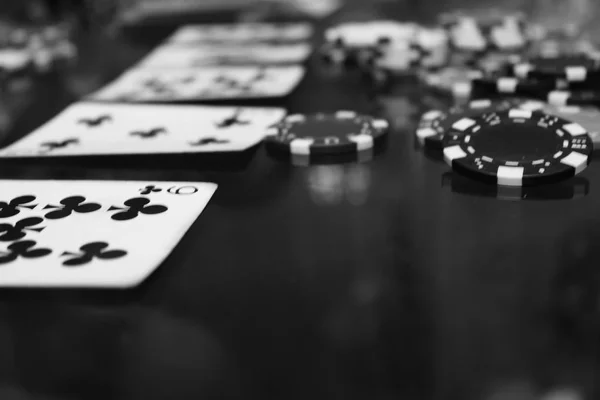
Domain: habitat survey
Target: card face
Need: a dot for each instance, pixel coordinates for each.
(111, 234)
(173, 56)
(208, 83)
(244, 32)
(116, 129)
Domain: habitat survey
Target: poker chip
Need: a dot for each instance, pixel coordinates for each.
(434, 124)
(573, 97)
(496, 84)
(573, 68)
(302, 160)
(325, 134)
(518, 148)
(451, 80)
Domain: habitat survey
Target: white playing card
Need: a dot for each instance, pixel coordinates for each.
(92, 233)
(244, 32)
(112, 129)
(208, 83)
(174, 56)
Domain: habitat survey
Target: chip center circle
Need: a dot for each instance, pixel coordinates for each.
(327, 127)
(517, 143)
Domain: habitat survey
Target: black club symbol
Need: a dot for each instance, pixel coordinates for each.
(207, 141)
(24, 249)
(94, 122)
(150, 189)
(151, 133)
(70, 205)
(9, 232)
(11, 208)
(233, 120)
(49, 146)
(135, 207)
(89, 252)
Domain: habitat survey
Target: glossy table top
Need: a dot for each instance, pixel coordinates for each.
(391, 279)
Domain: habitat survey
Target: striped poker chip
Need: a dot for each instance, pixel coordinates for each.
(518, 148)
(573, 68)
(435, 124)
(573, 97)
(321, 134)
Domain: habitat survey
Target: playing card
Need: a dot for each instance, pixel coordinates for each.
(92, 233)
(112, 129)
(242, 32)
(174, 56)
(208, 83)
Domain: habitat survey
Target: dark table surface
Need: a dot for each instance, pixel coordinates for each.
(391, 279)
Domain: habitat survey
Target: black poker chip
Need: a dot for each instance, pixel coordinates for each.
(434, 124)
(518, 148)
(572, 97)
(573, 68)
(508, 85)
(325, 134)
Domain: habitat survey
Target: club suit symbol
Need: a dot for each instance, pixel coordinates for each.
(10, 232)
(232, 120)
(13, 207)
(96, 121)
(88, 252)
(49, 146)
(23, 249)
(150, 189)
(207, 141)
(70, 205)
(148, 134)
(134, 207)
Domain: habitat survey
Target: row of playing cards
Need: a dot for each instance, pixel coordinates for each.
(86, 129)
(217, 62)
(163, 84)
(92, 233)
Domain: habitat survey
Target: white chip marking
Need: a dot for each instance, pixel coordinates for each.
(507, 85)
(532, 105)
(380, 124)
(575, 129)
(463, 124)
(363, 142)
(487, 159)
(433, 114)
(558, 98)
(272, 131)
(345, 114)
(537, 162)
(510, 176)
(558, 154)
(471, 150)
(482, 103)
(425, 133)
(522, 70)
(301, 146)
(295, 118)
(461, 89)
(576, 74)
(516, 113)
(576, 160)
(453, 153)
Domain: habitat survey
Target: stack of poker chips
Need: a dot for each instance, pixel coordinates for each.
(522, 92)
